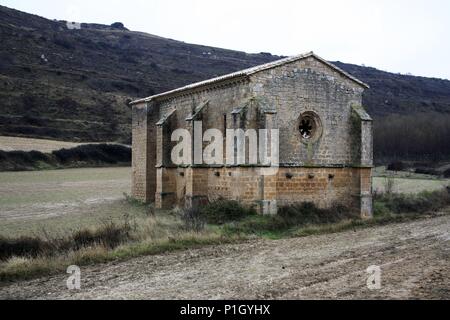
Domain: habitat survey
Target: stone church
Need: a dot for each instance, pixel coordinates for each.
(325, 138)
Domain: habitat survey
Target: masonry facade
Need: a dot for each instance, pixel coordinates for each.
(325, 135)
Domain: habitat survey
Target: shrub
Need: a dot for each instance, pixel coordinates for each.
(23, 247)
(89, 154)
(193, 219)
(110, 235)
(21, 160)
(446, 173)
(308, 213)
(124, 86)
(33, 121)
(64, 43)
(429, 171)
(218, 212)
(118, 25)
(420, 203)
(396, 166)
(26, 157)
(106, 153)
(223, 211)
(380, 209)
(180, 71)
(290, 216)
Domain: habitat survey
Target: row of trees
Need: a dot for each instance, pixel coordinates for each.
(420, 136)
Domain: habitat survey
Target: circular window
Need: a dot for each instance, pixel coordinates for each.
(310, 127)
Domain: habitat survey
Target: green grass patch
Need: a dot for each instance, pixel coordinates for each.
(289, 218)
(223, 211)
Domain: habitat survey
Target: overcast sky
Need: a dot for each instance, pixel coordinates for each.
(407, 36)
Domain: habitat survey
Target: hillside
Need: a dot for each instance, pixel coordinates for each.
(392, 93)
(75, 85)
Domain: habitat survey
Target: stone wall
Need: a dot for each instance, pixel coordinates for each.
(310, 85)
(326, 187)
(334, 168)
(144, 152)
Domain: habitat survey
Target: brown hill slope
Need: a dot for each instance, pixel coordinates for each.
(75, 84)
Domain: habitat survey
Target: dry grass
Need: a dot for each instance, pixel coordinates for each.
(162, 240)
(41, 145)
(157, 236)
(28, 144)
(150, 232)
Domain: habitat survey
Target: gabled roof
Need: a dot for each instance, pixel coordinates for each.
(248, 72)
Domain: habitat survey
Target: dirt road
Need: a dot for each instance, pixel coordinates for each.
(414, 258)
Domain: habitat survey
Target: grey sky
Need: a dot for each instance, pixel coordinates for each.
(407, 36)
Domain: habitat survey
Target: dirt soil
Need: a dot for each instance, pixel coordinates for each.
(414, 258)
(28, 144)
